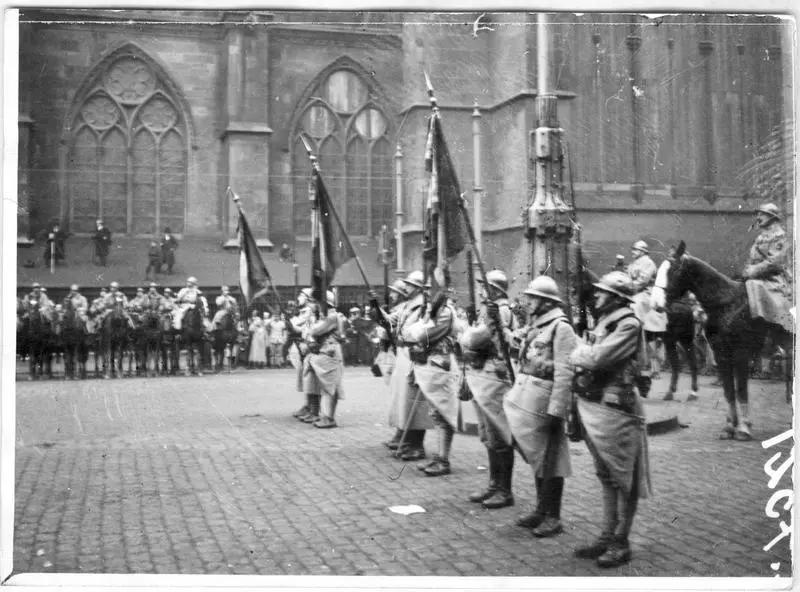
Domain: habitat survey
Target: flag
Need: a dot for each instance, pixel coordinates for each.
(444, 199)
(253, 274)
(334, 248)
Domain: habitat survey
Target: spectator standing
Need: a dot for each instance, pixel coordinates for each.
(102, 243)
(277, 339)
(153, 261)
(258, 342)
(55, 243)
(168, 247)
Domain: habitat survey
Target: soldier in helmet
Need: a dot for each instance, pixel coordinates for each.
(408, 411)
(606, 366)
(299, 332)
(489, 379)
(187, 298)
(537, 405)
(643, 275)
(36, 298)
(431, 340)
(768, 276)
(78, 301)
(326, 363)
(225, 303)
(153, 300)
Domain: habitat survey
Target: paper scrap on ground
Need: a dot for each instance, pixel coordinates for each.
(406, 510)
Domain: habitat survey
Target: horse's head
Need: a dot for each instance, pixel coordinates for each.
(677, 279)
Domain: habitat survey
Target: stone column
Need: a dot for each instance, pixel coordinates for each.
(634, 41)
(707, 160)
(246, 132)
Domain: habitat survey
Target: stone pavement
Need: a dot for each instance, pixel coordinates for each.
(211, 475)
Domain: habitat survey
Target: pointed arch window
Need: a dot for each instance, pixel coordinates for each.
(128, 152)
(350, 133)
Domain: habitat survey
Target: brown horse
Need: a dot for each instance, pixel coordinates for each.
(74, 341)
(735, 336)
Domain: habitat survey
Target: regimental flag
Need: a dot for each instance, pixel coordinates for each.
(334, 248)
(253, 274)
(444, 201)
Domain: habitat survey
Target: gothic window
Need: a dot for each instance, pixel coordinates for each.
(127, 153)
(350, 135)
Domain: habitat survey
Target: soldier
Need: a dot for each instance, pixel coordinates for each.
(489, 379)
(409, 411)
(102, 243)
(431, 341)
(98, 304)
(154, 300)
(299, 330)
(36, 298)
(325, 361)
(538, 404)
(642, 271)
(225, 302)
(138, 303)
(153, 261)
(187, 298)
(386, 357)
(78, 301)
(606, 367)
(768, 276)
(114, 294)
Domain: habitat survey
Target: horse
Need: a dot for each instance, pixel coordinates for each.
(115, 336)
(147, 342)
(734, 334)
(680, 330)
(224, 338)
(169, 343)
(192, 337)
(39, 332)
(74, 341)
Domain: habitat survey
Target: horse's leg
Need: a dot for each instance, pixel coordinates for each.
(742, 375)
(788, 363)
(725, 370)
(691, 356)
(671, 347)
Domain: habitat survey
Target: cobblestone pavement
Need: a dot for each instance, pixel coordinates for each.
(211, 475)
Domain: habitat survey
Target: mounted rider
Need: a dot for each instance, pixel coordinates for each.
(113, 297)
(78, 302)
(153, 300)
(188, 297)
(36, 298)
(225, 303)
(643, 276)
(768, 275)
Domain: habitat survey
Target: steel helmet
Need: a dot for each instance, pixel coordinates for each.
(153, 285)
(192, 280)
(770, 209)
(330, 298)
(114, 285)
(544, 287)
(307, 292)
(167, 290)
(225, 289)
(36, 285)
(399, 287)
(640, 245)
(73, 288)
(416, 279)
(497, 279)
(618, 283)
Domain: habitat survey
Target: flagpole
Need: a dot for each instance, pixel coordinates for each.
(315, 166)
(236, 200)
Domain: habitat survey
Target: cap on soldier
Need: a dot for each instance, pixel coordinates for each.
(770, 209)
(355, 309)
(399, 287)
(415, 278)
(497, 279)
(616, 282)
(544, 287)
(640, 245)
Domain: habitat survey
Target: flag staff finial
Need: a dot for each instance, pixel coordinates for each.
(431, 95)
(310, 152)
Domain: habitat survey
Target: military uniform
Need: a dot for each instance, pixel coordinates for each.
(435, 374)
(36, 298)
(326, 363)
(488, 379)
(225, 302)
(300, 327)
(769, 278)
(79, 303)
(613, 419)
(643, 275)
(187, 298)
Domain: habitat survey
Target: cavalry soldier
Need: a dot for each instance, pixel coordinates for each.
(488, 378)
(300, 331)
(36, 298)
(768, 276)
(537, 405)
(78, 301)
(326, 363)
(98, 304)
(385, 360)
(606, 367)
(642, 271)
(187, 298)
(225, 302)
(153, 299)
(114, 294)
(138, 303)
(168, 300)
(408, 411)
(431, 341)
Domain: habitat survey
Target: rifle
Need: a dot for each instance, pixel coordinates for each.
(583, 322)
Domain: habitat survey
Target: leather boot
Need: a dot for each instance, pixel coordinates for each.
(536, 517)
(303, 410)
(618, 553)
(395, 441)
(313, 411)
(479, 496)
(503, 497)
(440, 466)
(415, 451)
(551, 525)
(595, 549)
